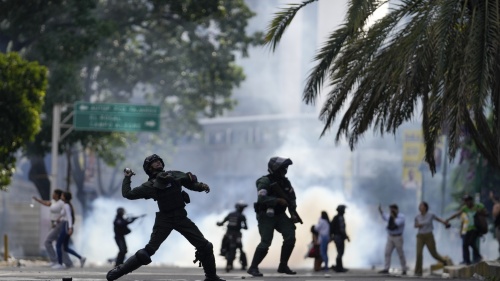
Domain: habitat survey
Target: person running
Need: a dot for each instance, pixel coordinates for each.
(55, 207)
(68, 219)
(425, 237)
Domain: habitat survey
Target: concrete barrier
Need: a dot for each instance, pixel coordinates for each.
(484, 268)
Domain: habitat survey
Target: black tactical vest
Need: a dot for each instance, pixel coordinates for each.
(169, 198)
(234, 221)
(285, 185)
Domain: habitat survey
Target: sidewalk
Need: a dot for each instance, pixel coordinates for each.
(484, 269)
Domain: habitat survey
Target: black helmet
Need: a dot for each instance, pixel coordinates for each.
(120, 211)
(240, 205)
(150, 159)
(277, 163)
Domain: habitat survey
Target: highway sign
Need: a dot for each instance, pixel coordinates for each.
(116, 117)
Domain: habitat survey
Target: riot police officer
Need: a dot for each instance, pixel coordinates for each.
(232, 239)
(165, 187)
(338, 235)
(120, 227)
(274, 195)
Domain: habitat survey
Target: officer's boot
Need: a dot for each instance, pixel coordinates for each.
(223, 248)
(258, 257)
(130, 265)
(230, 256)
(286, 252)
(134, 262)
(340, 266)
(243, 260)
(207, 259)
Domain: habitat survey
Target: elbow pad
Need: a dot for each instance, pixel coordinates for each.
(192, 177)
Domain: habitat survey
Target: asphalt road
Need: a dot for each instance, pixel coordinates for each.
(156, 273)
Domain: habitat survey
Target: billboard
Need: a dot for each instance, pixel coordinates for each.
(413, 157)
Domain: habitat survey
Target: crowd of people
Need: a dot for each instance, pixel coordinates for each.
(473, 225)
(275, 196)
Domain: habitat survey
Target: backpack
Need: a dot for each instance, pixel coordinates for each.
(481, 222)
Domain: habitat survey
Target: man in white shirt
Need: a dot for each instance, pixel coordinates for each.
(395, 228)
(55, 211)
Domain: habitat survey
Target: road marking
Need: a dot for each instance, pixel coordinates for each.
(324, 279)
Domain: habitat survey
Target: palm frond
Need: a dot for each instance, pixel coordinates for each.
(324, 58)
(444, 55)
(358, 13)
(281, 21)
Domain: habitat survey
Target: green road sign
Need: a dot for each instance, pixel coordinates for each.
(116, 117)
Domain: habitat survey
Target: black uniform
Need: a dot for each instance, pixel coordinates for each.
(232, 239)
(272, 189)
(166, 189)
(120, 227)
(339, 235)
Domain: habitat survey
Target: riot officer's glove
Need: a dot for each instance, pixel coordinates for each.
(205, 187)
(219, 223)
(295, 219)
(281, 202)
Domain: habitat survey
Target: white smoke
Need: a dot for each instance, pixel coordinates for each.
(277, 94)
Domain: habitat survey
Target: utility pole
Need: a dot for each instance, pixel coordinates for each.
(445, 174)
(57, 125)
(56, 135)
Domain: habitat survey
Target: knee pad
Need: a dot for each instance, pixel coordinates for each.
(143, 256)
(205, 251)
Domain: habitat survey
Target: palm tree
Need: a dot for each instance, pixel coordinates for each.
(442, 54)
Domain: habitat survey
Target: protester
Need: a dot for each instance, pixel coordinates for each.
(395, 228)
(323, 229)
(470, 208)
(425, 237)
(313, 250)
(496, 217)
(55, 207)
(68, 219)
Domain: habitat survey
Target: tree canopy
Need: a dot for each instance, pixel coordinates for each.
(176, 54)
(442, 55)
(22, 92)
